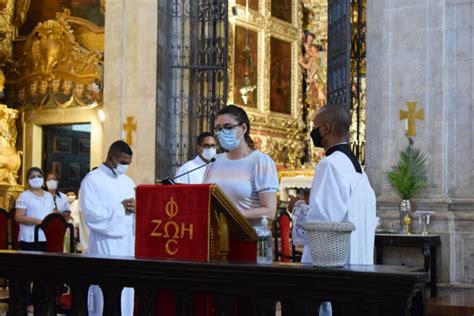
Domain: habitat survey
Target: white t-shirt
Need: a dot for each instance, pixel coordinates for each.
(243, 179)
(194, 177)
(36, 207)
(61, 202)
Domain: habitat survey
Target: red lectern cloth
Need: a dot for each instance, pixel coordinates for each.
(285, 225)
(172, 222)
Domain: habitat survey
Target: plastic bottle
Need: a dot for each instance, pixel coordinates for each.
(265, 242)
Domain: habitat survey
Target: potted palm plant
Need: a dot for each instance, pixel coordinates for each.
(408, 177)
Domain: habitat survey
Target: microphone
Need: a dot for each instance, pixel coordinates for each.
(171, 180)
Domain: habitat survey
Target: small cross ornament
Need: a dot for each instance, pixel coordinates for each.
(411, 115)
(129, 128)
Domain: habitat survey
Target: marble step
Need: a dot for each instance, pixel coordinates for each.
(459, 303)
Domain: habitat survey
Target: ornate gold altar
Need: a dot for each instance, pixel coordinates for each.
(58, 65)
(264, 76)
(10, 158)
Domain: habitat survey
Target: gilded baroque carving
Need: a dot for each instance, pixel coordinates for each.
(102, 6)
(55, 69)
(230, 66)
(87, 34)
(8, 195)
(282, 136)
(275, 148)
(317, 19)
(10, 158)
(254, 18)
(21, 9)
(6, 31)
(284, 29)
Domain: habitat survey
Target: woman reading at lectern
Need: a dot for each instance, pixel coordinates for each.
(246, 175)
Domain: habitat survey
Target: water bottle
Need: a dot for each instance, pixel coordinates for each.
(264, 245)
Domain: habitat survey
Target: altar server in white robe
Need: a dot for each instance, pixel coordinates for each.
(340, 190)
(107, 199)
(207, 149)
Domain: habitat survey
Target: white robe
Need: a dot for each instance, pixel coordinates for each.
(339, 193)
(194, 177)
(83, 229)
(112, 232)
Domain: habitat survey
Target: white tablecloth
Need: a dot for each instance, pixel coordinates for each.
(297, 182)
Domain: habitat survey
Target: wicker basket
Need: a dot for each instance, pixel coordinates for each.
(329, 242)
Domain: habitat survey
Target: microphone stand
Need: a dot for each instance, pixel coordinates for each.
(169, 180)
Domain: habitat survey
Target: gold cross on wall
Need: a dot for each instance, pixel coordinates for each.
(129, 128)
(411, 115)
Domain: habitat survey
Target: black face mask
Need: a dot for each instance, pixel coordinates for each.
(316, 137)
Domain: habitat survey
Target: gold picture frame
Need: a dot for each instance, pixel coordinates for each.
(253, 4)
(278, 134)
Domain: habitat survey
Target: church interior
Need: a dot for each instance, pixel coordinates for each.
(77, 75)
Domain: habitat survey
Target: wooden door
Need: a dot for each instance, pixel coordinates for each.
(67, 152)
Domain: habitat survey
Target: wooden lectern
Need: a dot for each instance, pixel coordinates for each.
(191, 223)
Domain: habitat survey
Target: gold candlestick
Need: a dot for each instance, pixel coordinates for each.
(406, 224)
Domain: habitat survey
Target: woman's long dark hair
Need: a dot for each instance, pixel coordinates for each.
(240, 116)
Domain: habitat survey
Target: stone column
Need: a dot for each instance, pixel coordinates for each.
(459, 131)
(422, 51)
(130, 80)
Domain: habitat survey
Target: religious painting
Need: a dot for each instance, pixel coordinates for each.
(245, 67)
(42, 10)
(280, 76)
(253, 4)
(74, 171)
(282, 9)
(62, 144)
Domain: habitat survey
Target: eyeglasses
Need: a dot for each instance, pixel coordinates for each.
(225, 130)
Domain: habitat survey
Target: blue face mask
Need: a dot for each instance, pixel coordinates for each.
(120, 168)
(229, 141)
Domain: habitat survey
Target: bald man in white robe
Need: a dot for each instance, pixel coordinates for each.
(340, 190)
